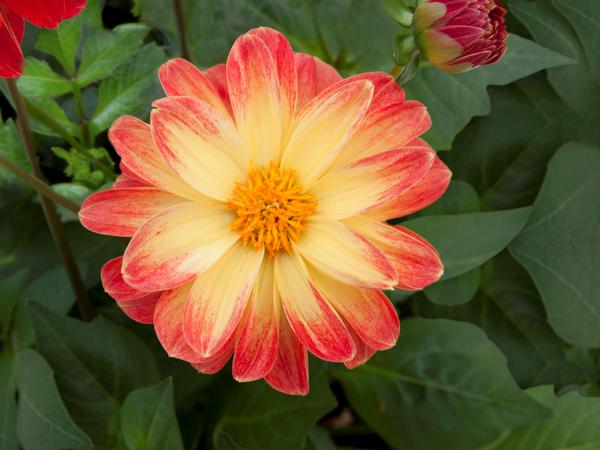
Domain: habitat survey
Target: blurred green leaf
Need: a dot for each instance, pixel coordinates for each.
(104, 50)
(39, 80)
(96, 366)
(43, 421)
(319, 439)
(574, 424)
(8, 405)
(11, 288)
(148, 420)
(444, 383)
(11, 149)
(509, 309)
(132, 88)
(254, 411)
(560, 248)
(466, 241)
(443, 92)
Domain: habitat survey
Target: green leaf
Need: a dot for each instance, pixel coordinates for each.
(76, 192)
(11, 287)
(319, 439)
(560, 245)
(506, 168)
(11, 149)
(444, 382)
(466, 241)
(148, 419)
(104, 50)
(130, 89)
(459, 198)
(443, 92)
(570, 28)
(8, 405)
(43, 421)
(510, 311)
(50, 108)
(455, 291)
(52, 290)
(39, 80)
(96, 366)
(253, 411)
(573, 426)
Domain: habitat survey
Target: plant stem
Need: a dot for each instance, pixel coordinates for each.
(50, 214)
(85, 129)
(40, 186)
(181, 29)
(396, 70)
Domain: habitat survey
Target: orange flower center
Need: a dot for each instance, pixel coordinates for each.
(271, 208)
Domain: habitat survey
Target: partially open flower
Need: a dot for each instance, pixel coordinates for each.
(459, 35)
(41, 13)
(256, 203)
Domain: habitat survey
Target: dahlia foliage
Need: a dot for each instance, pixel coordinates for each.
(256, 202)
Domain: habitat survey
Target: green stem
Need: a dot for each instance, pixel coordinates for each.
(85, 128)
(181, 29)
(39, 186)
(54, 224)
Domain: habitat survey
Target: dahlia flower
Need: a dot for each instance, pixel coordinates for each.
(41, 13)
(459, 35)
(256, 203)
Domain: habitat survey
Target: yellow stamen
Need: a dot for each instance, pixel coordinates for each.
(271, 208)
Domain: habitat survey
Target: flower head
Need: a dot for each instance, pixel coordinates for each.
(459, 35)
(256, 203)
(41, 13)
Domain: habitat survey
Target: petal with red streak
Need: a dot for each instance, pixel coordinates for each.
(385, 89)
(218, 298)
(314, 76)
(176, 245)
(11, 34)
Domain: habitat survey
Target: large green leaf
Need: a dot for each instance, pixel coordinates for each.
(573, 426)
(148, 420)
(454, 99)
(506, 168)
(256, 417)
(8, 405)
(560, 245)
(509, 309)
(570, 28)
(444, 383)
(465, 241)
(43, 421)
(96, 366)
(131, 88)
(40, 80)
(11, 287)
(104, 50)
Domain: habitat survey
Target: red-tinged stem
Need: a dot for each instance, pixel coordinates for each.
(54, 224)
(181, 29)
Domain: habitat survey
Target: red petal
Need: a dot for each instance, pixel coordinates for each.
(314, 76)
(11, 34)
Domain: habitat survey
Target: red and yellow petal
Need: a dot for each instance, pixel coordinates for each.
(176, 245)
(290, 371)
(218, 298)
(314, 76)
(363, 352)
(217, 75)
(216, 363)
(11, 35)
(385, 89)
(369, 312)
(392, 126)
(343, 254)
(138, 305)
(121, 211)
(200, 145)
(179, 77)
(254, 92)
(132, 140)
(417, 264)
(371, 182)
(258, 341)
(422, 194)
(314, 321)
(324, 127)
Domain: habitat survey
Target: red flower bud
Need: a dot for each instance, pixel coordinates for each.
(459, 35)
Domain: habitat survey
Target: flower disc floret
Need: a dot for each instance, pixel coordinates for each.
(270, 208)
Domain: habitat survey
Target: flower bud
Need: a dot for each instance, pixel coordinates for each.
(459, 35)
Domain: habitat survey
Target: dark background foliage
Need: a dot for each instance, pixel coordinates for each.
(501, 354)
